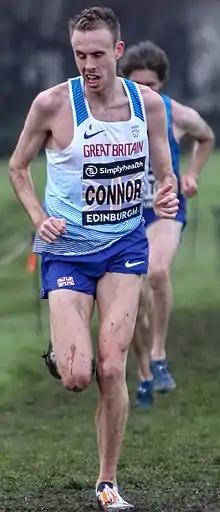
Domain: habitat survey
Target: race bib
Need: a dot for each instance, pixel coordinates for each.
(112, 192)
(150, 189)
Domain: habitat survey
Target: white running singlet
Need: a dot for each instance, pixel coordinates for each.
(97, 183)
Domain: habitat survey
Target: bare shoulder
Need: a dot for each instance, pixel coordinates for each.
(183, 114)
(189, 122)
(154, 108)
(50, 101)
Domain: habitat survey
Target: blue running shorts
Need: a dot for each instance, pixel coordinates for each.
(129, 255)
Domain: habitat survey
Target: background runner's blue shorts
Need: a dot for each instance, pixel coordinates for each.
(82, 273)
(150, 215)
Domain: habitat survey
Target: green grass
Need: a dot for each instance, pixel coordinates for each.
(171, 456)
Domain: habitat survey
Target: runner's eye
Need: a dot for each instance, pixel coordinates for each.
(98, 55)
(80, 56)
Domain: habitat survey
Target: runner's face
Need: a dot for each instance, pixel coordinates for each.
(96, 57)
(147, 77)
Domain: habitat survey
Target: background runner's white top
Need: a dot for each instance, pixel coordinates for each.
(98, 182)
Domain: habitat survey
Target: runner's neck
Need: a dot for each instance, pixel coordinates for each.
(104, 98)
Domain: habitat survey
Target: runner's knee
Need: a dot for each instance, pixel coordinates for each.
(75, 375)
(158, 276)
(109, 372)
(111, 368)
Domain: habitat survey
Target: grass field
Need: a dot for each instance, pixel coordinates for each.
(171, 456)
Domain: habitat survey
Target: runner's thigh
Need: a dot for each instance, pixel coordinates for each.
(70, 317)
(164, 237)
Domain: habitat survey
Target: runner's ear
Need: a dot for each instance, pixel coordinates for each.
(119, 49)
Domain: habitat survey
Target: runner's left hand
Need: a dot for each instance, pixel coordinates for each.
(166, 203)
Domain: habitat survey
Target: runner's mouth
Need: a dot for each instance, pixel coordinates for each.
(92, 80)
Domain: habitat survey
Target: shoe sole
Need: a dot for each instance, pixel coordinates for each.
(127, 508)
(118, 509)
(141, 405)
(164, 391)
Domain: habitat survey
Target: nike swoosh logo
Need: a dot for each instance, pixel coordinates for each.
(90, 135)
(128, 264)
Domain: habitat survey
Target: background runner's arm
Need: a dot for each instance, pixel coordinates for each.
(158, 141)
(30, 142)
(189, 122)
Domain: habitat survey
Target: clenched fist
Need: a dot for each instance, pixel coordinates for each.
(189, 185)
(166, 203)
(51, 228)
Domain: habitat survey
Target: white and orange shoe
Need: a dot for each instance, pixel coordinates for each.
(108, 498)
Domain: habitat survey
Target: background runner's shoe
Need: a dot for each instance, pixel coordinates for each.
(145, 394)
(163, 380)
(108, 498)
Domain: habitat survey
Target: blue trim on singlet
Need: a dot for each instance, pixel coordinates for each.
(135, 98)
(167, 101)
(174, 145)
(148, 213)
(79, 101)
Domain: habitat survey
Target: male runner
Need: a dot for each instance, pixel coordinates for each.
(90, 232)
(147, 64)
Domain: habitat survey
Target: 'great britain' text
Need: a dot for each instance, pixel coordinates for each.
(127, 149)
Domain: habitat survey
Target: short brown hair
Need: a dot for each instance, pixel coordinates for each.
(96, 17)
(145, 55)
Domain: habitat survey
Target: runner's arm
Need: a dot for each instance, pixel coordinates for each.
(30, 142)
(158, 141)
(191, 123)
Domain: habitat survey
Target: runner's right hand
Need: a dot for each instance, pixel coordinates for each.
(51, 228)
